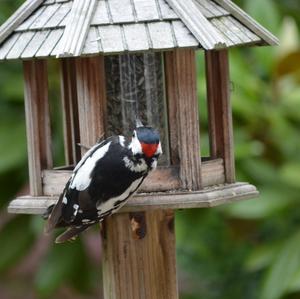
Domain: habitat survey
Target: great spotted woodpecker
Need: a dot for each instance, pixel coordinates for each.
(103, 180)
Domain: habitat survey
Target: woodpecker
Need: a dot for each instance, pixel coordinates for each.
(103, 180)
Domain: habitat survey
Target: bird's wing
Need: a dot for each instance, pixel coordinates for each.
(63, 212)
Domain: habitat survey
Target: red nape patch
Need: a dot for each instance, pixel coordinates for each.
(149, 149)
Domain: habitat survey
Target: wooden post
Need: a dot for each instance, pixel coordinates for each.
(180, 69)
(219, 110)
(139, 256)
(70, 110)
(91, 93)
(37, 122)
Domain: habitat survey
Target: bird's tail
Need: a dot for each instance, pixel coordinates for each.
(70, 234)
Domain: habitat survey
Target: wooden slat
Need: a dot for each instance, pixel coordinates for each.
(231, 37)
(146, 10)
(20, 45)
(70, 111)
(35, 15)
(136, 37)
(21, 14)
(207, 198)
(121, 11)
(37, 122)
(92, 44)
(220, 118)
(101, 15)
(59, 15)
(8, 44)
(249, 22)
(194, 20)
(162, 179)
(34, 45)
(91, 93)
(184, 117)
(40, 22)
(166, 11)
(77, 27)
(111, 38)
(50, 43)
(182, 35)
(135, 242)
(157, 30)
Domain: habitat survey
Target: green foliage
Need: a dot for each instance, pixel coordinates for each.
(246, 250)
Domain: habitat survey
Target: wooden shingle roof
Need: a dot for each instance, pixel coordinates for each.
(87, 27)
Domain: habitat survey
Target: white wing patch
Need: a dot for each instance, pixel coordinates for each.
(141, 166)
(82, 178)
(122, 140)
(109, 204)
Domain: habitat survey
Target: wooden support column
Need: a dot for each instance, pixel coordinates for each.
(91, 93)
(219, 110)
(37, 122)
(139, 256)
(180, 69)
(70, 110)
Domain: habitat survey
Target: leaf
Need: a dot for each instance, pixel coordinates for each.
(269, 203)
(290, 174)
(284, 269)
(15, 239)
(261, 257)
(65, 263)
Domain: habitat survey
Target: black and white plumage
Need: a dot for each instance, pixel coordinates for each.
(103, 180)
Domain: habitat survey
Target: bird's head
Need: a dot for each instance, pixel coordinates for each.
(145, 141)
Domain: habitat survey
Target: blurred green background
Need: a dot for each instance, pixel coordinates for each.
(248, 250)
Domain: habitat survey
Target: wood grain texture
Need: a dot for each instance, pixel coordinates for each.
(37, 122)
(184, 116)
(248, 21)
(206, 198)
(160, 180)
(91, 93)
(21, 14)
(139, 256)
(69, 110)
(219, 110)
(198, 24)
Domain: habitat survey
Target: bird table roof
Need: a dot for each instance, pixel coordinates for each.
(45, 28)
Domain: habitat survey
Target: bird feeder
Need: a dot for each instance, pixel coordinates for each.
(120, 59)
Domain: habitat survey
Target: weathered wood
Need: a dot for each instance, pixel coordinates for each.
(156, 31)
(111, 38)
(35, 43)
(19, 47)
(249, 22)
(206, 198)
(21, 14)
(121, 11)
(201, 28)
(70, 110)
(142, 246)
(37, 122)
(62, 13)
(136, 37)
(219, 109)
(77, 28)
(146, 10)
(184, 116)
(50, 43)
(183, 36)
(162, 179)
(91, 93)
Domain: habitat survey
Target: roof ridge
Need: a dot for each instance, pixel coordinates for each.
(197, 23)
(248, 21)
(77, 28)
(20, 15)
